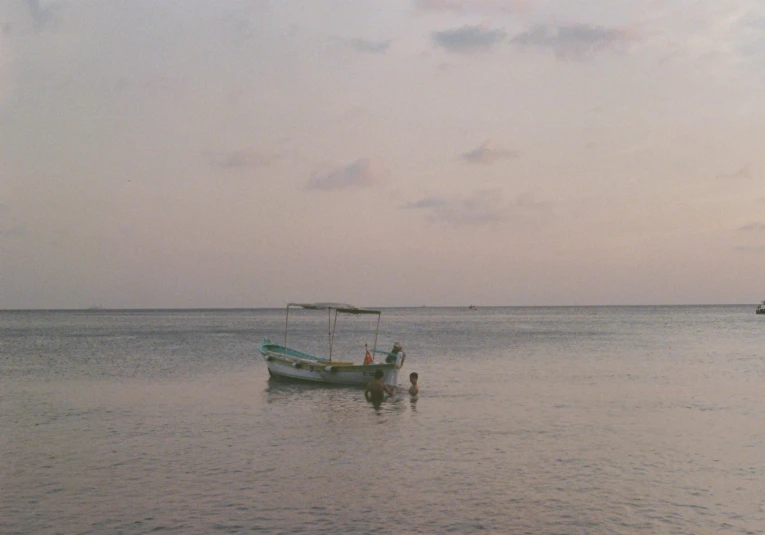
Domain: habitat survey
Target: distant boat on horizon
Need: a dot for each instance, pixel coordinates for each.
(760, 308)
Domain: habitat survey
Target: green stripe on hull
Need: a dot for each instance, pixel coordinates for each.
(335, 369)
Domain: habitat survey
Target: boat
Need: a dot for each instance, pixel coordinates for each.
(287, 363)
(473, 307)
(760, 308)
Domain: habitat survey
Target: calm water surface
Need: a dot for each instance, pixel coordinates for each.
(594, 420)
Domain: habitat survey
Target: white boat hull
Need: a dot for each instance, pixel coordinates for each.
(287, 367)
(342, 375)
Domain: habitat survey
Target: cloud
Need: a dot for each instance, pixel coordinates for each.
(528, 202)
(363, 46)
(17, 231)
(758, 249)
(42, 16)
(369, 47)
(487, 153)
(6, 230)
(469, 39)
(238, 159)
(478, 209)
(362, 173)
(427, 202)
(743, 172)
(573, 41)
(715, 36)
(467, 6)
(753, 227)
(638, 148)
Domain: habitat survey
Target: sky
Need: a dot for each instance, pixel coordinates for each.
(193, 154)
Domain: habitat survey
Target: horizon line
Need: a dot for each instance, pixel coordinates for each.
(179, 309)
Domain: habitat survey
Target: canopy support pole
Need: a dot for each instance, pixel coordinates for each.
(332, 334)
(286, 321)
(377, 331)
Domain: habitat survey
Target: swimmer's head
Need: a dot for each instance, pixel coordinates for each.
(413, 377)
(378, 374)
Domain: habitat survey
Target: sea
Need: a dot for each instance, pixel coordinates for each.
(541, 420)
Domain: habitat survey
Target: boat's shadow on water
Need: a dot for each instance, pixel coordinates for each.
(296, 385)
(338, 397)
(280, 390)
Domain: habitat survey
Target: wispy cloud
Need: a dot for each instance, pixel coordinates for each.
(743, 172)
(426, 202)
(530, 203)
(239, 159)
(366, 46)
(715, 36)
(758, 249)
(471, 6)
(573, 41)
(753, 227)
(487, 153)
(10, 231)
(638, 148)
(16, 231)
(42, 16)
(469, 39)
(362, 173)
(480, 208)
(362, 45)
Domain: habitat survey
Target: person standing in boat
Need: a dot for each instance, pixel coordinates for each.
(376, 389)
(393, 355)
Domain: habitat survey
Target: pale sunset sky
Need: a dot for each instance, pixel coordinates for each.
(244, 153)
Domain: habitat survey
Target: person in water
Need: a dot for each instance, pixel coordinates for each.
(376, 389)
(414, 389)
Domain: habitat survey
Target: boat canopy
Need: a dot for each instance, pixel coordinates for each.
(340, 307)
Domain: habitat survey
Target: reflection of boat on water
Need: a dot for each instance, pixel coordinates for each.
(760, 308)
(288, 363)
